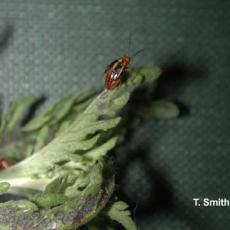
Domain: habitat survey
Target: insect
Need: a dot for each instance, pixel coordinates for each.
(4, 164)
(114, 72)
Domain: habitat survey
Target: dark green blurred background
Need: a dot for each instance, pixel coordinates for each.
(58, 47)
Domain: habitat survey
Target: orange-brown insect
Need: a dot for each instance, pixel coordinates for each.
(4, 164)
(114, 72)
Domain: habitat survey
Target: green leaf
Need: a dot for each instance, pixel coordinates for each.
(163, 109)
(54, 114)
(41, 138)
(59, 111)
(67, 155)
(17, 110)
(4, 187)
(150, 72)
(98, 152)
(69, 179)
(60, 184)
(63, 213)
(120, 213)
(142, 74)
(49, 199)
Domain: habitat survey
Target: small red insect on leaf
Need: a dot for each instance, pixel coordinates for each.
(114, 72)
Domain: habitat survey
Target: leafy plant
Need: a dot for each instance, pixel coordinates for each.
(63, 177)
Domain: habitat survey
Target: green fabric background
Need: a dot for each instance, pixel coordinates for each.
(58, 47)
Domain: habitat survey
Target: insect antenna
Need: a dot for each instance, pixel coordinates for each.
(136, 53)
(129, 47)
(129, 44)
